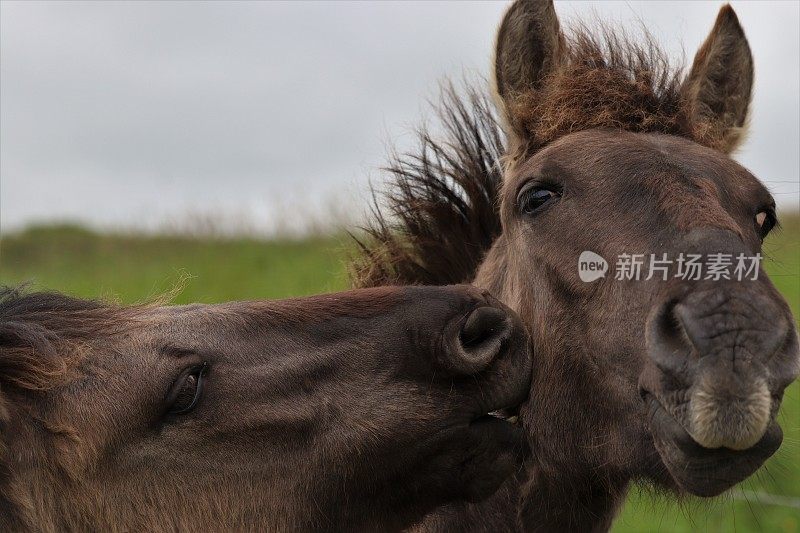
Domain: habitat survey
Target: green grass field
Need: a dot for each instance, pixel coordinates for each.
(133, 268)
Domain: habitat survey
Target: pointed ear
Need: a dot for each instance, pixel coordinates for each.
(718, 88)
(529, 43)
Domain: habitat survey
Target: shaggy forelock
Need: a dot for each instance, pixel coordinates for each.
(605, 79)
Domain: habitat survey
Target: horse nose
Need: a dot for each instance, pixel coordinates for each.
(480, 340)
(716, 326)
(726, 345)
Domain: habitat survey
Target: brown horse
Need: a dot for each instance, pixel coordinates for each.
(359, 410)
(671, 379)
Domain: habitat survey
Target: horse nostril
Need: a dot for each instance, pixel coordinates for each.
(481, 337)
(482, 325)
(667, 340)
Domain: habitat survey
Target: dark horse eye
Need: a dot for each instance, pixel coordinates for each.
(186, 390)
(531, 199)
(765, 221)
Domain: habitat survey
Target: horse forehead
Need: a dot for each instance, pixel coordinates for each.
(179, 314)
(375, 303)
(623, 149)
(649, 159)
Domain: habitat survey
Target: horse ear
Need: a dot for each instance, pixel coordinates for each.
(720, 83)
(529, 43)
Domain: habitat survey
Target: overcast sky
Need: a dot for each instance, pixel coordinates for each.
(142, 114)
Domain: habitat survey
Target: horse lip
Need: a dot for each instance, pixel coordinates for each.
(680, 435)
(507, 406)
(509, 426)
(503, 425)
(704, 471)
(509, 414)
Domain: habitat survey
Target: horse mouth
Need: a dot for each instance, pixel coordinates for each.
(704, 471)
(507, 414)
(503, 424)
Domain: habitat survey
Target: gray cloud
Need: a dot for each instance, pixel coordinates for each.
(134, 113)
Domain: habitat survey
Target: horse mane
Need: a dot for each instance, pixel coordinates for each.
(440, 209)
(439, 214)
(42, 335)
(42, 339)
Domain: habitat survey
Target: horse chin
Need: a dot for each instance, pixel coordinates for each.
(705, 471)
(496, 447)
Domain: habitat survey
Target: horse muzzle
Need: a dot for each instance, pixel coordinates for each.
(720, 355)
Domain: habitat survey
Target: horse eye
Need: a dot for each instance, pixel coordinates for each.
(186, 390)
(765, 221)
(532, 199)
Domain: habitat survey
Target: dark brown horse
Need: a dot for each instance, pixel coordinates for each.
(668, 378)
(359, 410)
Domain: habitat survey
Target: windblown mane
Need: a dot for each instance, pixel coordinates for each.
(440, 211)
(41, 335)
(439, 214)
